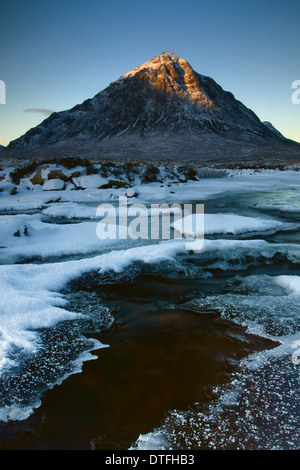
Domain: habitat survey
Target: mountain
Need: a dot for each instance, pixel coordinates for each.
(273, 129)
(162, 109)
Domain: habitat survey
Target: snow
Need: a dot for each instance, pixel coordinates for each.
(290, 283)
(203, 189)
(132, 192)
(40, 239)
(70, 210)
(13, 226)
(224, 224)
(53, 185)
(25, 201)
(89, 181)
(74, 210)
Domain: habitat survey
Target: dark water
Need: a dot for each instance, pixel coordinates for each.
(163, 354)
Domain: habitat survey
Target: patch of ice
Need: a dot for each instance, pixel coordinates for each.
(260, 401)
(258, 410)
(29, 298)
(155, 440)
(225, 224)
(278, 207)
(291, 284)
(29, 292)
(240, 254)
(267, 305)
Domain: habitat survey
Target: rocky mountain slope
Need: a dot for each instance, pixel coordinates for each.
(162, 109)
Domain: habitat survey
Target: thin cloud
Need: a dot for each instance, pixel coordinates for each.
(46, 112)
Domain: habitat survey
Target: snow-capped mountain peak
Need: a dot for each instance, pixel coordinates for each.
(170, 74)
(162, 108)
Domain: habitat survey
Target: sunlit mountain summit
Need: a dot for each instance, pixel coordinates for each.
(160, 109)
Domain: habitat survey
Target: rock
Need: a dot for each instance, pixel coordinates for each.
(14, 191)
(53, 201)
(117, 184)
(54, 185)
(58, 174)
(38, 177)
(132, 192)
(89, 182)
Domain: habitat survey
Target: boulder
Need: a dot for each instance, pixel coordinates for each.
(54, 185)
(89, 182)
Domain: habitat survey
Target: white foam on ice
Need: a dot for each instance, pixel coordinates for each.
(20, 412)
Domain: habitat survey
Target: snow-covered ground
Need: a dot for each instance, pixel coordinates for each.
(26, 236)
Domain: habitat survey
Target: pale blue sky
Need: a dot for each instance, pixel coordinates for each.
(55, 54)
